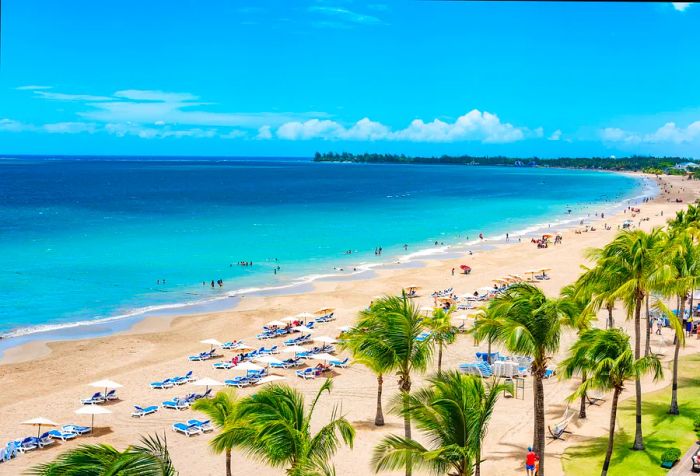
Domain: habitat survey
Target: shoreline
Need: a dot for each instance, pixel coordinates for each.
(153, 350)
(125, 322)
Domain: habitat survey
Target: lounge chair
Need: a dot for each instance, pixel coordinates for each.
(45, 439)
(111, 395)
(549, 373)
(265, 335)
(597, 399)
(167, 383)
(270, 351)
(27, 444)
(204, 425)
(198, 396)
(239, 382)
(182, 379)
(558, 431)
(339, 363)
(78, 429)
(188, 430)
(307, 373)
(62, 435)
(143, 411)
(202, 356)
(222, 365)
(95, 399)
(231, 345)
(176, 404)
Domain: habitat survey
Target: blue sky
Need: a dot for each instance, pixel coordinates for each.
(265, 77)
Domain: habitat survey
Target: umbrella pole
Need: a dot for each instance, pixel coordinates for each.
(38, 432)
(92, 424)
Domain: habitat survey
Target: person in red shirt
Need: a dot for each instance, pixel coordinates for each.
(530, 461)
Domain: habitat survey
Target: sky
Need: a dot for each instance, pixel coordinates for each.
(289, 78)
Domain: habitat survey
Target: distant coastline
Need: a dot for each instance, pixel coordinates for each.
(648, 164)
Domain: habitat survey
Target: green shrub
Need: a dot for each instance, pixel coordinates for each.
(671, 455)
(696, 423)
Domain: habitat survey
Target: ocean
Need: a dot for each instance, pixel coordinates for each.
(86, 240)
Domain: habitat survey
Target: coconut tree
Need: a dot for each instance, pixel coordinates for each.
(222, 410)
(281, 435)
(630, 268)
(442, 331)
(610, 362)
(529, 324)
(149, 458)
(452, 413)
(399, 325)
(370, 352)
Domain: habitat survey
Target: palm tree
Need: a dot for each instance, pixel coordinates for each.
(529, 324)
(481, 318)
(631, 267)
(396, 340)
(149, 458)
(684, 257)
(453, 414)
(610, 362)
(222, 411)
(281, 434)
(442, 332)
(370, 352)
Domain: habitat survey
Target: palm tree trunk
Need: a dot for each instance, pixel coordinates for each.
(538, 439)
(611, 435)
(611, 322)
(228, 462)
(674, 386)
(439, 356)
(488, 352)
(582, 409)
(477, 463)
(379, 417)
(647, 346)
(405, 387)
(638, 438)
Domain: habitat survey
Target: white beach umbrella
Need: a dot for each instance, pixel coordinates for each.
(270, 378)
(268, 359)
(324, 356)
(92, 410)
(39, 421)
(242, 346)
(247, 366)
(305, 315)
(325, 339)
(290, 318)
(294, 349)
(345, 328)
(324, 311)
(303, 329)
(106, 383)
(212, 342)
(276, 323)
(207, 382)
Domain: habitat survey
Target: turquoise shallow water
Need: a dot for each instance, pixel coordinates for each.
(88, 239)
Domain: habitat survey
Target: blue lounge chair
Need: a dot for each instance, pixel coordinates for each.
(340, 363)
(143, 411)
(548, 373)
(188, 430)
(176, 404)
(202, 356)
(265, 335)
(111, 395)
(308, 373)
(271, 350)
(182, 379)
(239, 382)
(45, 439)
(222, 365)
(204, 425)
(27, 444)
(95, 399)
(80, 430)
(197, 396)
(62, 435)
(167, 383)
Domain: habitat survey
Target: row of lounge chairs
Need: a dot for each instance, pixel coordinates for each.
(327, 318)
(193, 427)
(16, 447)
(98, 398)
(443, 293)
(171, 382)
(177, 403)
(251, 378)
(210, 354)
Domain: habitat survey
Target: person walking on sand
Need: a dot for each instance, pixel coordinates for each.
(453, 271)
(530, 461)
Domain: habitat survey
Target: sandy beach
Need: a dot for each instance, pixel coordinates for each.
(48, 379)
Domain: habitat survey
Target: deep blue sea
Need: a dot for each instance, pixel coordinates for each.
(86, 239)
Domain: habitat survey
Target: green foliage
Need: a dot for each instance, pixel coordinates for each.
(149, 458)
(671, 455)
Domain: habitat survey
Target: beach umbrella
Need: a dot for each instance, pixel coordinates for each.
(544, 270)
(305, 315)
(268, 359)
(325, 339)
(92, 410)
(39, 421)
(247, 366)
(242, 346)
(294, 349)
(290, 318)
(106, 383)
(270, 378)
(345, 328)
(276, 323)
(465, 268)
(303, 329)
(323, 356)
(212, 342)
(324, 311)
(207, 382)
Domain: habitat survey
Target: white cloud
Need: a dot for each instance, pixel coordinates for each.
(344, 15)
(668, 133)
(474, 125)
(70, 127)
(151, 95)
(31, 87)
(10, 125)
(680, 6)
(70, 97)
(129, 129)
(234, 134)
(556, 135)
(264, 133)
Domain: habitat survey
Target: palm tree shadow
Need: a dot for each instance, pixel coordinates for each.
(368, 424)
